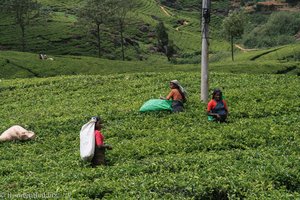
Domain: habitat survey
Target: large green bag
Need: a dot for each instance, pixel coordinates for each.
(156, 105)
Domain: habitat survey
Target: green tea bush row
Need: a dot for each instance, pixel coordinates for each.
(155, 155)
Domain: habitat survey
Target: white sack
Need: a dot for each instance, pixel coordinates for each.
(87, 140)
(17, 132)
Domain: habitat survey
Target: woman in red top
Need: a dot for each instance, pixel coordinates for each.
(100, 146)
(178, 96)
(99, 138)
(217, 107)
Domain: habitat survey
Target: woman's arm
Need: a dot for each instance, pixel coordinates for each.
(104, 146)
(213, 114)
(170, 95)
(210, 106)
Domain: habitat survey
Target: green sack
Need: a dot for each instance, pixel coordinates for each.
(156, 105)
(210, 118)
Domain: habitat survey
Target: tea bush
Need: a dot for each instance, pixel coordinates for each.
(156, 155)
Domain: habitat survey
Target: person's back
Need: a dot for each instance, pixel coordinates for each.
(177, 95)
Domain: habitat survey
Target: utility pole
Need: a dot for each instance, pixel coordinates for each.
(204, 52)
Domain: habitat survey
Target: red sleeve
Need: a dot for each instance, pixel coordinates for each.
(211, 105)
(99, 138)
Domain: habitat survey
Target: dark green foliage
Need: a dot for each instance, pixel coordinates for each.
(293, 2)
(189, 58)
(59, 33)
(233, 26)
(283, 23)
(95, 14)
(22, 11)
(170, 50)
(164, 44)
(120, 15)
(278, 30)
(162, 38)
(162, 35)
(183, 4)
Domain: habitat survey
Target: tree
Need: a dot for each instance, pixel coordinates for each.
(23, 11)
(164, 44)
(162, 35)
(96, 13)
(233, 26)
(121, 10)
(170, 50)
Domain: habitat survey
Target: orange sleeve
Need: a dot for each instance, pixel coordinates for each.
(170, 95)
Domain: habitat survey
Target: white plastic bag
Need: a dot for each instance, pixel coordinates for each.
(87, 140)
(17, 132)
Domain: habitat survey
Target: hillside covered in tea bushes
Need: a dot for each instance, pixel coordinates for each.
(279, 60)
(156, 155)
(59, 28)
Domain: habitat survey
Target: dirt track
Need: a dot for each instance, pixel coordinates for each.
(241, 48)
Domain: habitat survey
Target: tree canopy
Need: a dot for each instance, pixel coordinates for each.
(233, 26)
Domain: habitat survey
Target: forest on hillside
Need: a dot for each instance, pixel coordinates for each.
(137, 29)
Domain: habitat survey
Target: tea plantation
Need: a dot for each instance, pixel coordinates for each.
(279, 60)
(156, 155)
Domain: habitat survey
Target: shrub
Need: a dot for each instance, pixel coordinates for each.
(278, 30)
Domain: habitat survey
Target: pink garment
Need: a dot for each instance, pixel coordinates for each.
(99, 138)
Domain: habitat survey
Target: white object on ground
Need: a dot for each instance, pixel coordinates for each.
(17, 132)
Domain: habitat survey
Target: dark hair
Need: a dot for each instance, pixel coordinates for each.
(217, 90)
(98, 120)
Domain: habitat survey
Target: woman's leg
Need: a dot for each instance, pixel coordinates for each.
(177, 106)
(99, 157)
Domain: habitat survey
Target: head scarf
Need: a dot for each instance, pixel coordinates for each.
(95, 118)
(180, 87)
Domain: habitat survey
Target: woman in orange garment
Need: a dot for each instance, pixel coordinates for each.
(178, 96)
(217, 107)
